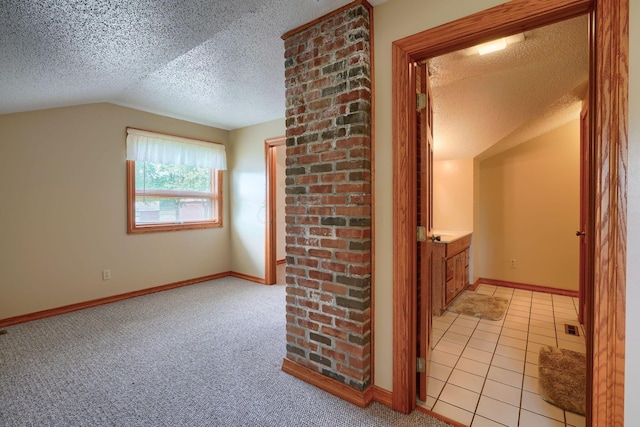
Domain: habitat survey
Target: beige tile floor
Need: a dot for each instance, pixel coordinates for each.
(484, 373)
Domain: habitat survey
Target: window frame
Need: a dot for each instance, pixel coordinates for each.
(216, 205)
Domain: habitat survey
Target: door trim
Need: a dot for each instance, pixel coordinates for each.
(270, 146)
(608, 100)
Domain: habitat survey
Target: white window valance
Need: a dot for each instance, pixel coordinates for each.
(145, 146)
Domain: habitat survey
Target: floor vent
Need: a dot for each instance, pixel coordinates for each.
(571, 330)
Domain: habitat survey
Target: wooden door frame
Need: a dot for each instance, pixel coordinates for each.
(270, 146)
(609, 106)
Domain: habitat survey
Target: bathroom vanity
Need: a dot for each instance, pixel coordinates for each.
(450, 268)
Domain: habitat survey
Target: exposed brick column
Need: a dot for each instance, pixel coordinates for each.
(328, 203)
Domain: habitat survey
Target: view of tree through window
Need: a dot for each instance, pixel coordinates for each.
(172, 193)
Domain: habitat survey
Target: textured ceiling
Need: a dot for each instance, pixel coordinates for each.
(486, 104)
(216, 62)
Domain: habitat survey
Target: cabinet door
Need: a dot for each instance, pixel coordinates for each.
(451, 267)
(460, 260)
(450, 290)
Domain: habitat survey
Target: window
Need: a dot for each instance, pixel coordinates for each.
(173, 183)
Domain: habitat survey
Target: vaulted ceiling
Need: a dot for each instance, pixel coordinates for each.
(215, 62)
(221, 63)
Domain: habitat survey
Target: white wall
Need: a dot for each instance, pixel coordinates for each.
(247, 188)
(632, 339)
(530, 211)
(453, 194)
(63, 215)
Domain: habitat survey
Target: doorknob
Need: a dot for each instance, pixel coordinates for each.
(580, 233)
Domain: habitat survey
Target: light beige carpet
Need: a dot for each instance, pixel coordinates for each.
(479, 305)
(562, 378)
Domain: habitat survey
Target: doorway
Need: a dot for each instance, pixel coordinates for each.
(275, 230)
(605, 346)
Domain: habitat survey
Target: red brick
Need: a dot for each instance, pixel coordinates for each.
(320, 146)
(353, 233)
(358, 363)
(296, 311)
(306, 179)
(334, 266)
(320, 210)
(313, 305)
(320, 275)
(360, 94)
(333, 155)
(310, 200)
(308, 220)
(321, 189)
(333, 177)
(360, 270)
(295, 210)
(334, 200)
(353, 373)
(353, 188)
(295, 250)
(356, 211)
(345, 325)
(322, 318)
(297, 291)
(337, 333)
(306, 344)
(300, 272)
(320, 253)
(306, 241)
(313, 284)
(360, 199)
(321, 231)
(334, 355)
(333, 243)
(320, 125)
(294, 330)
(309, 158)
(353, 350)
(352, 256)
(334, 288)
(296, 150)
(296, 131)
(334, 311)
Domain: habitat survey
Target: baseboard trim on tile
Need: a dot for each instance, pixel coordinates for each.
(526, 287)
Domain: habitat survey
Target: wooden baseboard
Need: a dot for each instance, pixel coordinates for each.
(527, 287)
(343, 391)
(382, 396)
(107, 300)
(247, 277)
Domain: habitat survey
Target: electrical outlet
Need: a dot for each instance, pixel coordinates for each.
(106, 274)
(513, 263)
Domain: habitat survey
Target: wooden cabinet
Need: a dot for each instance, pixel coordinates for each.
(450, 271)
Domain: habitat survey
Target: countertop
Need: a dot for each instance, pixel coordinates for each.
(448, 236)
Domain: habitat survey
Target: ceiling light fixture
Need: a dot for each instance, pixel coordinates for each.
(495, 45)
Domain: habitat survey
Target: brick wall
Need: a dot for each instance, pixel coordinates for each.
(328, 196)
